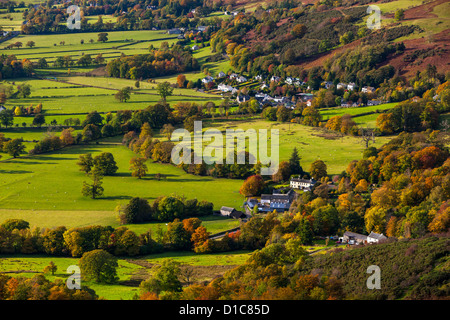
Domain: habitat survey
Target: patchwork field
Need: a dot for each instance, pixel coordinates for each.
(130, 271)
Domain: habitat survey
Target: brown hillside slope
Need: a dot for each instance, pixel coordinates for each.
(420, 52)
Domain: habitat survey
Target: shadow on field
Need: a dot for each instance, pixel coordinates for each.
(15, 171)
(115, 198)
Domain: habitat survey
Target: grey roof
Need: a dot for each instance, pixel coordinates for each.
(227, 209)
(377, 236)
(355, 235)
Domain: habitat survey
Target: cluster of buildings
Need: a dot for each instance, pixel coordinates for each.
(281, 202)
(264, 98)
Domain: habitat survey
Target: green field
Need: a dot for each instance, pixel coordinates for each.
(42, 182)
(130, 271)
(312, 143)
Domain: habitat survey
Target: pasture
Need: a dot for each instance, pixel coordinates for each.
(312, 143)
(53, 182)
(131, 271)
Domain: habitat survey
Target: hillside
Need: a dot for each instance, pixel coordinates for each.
(410, 269)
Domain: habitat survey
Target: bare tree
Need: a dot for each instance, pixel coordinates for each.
(367, 135)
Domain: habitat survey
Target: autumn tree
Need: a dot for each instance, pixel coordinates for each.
(252, 186)
(50, 268)
(318, 169)
(138, 167)
(181, 80)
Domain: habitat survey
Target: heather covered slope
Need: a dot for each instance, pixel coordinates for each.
(410, 269)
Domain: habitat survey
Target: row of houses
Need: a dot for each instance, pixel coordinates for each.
(183, 30)
(356, 238)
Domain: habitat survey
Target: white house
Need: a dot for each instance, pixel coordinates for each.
(309, 102)
(341, 85)
(221, 74)
(2, 108)
(302, 184)
(367, 89)
(289, 80)
(201, 28)
(351, 86)
(258, 77)
(207, 79)
(194, 47)
(234, 76)
(275, 79)
(375, 237)
(241, 79)
(225, 88)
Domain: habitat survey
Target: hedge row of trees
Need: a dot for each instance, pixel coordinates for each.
(166, 208)
(164, 61)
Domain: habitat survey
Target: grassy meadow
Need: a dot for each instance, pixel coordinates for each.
(131, 271)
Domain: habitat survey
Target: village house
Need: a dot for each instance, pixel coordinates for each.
(302, 184)
(275, 79)
(241, 79)
(194, 47)
(328, 84)
(341, 85)
(242, 98)
(207, 79)
(373, 102)
(305, 96)
(221, 74)
(367, 89)
(351, 86)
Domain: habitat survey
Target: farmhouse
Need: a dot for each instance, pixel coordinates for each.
(221, 74)
(302, 184)
(276, 201)
(195, 47)
(353, 238)
(2, 108)
(356, 238)
(232, 213)
(174, 31)
(375, 237)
